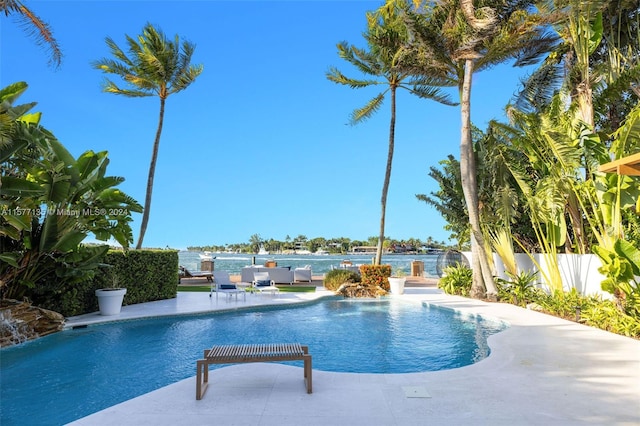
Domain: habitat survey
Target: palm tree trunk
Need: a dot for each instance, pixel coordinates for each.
(387, 176)
(152, 172)
(482, 276)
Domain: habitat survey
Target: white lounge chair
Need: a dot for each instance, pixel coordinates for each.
(302, 274)
(224, 285)
(263, 283)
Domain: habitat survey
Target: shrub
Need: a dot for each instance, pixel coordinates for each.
(375, 276)
(564, 304)
(607, 316)
(335, 278)
(593, 311)
(519, 290)
(148, 275)
(457, 280)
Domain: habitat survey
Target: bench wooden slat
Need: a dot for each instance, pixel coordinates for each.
(264, 352)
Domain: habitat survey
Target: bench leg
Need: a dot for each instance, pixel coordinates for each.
(202, 378)
(308, 371)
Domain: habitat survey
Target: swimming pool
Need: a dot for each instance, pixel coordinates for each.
(69, 375)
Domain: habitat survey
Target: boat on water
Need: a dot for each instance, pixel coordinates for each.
(206, 256)
(302, 252)
(262, 251)
(321, 252)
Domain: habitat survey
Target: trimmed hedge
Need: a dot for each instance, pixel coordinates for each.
(147, 275)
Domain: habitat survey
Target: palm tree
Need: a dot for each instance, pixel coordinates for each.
(463, 41)
(596, 62)
(255, 241)
(155, 66)
(34, 27)
(387, 38)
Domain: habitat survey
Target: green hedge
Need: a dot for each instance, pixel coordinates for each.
(147, 275)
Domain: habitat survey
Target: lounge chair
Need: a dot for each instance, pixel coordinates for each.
(263, 283)
(185, 273)
(302, 274)
(224, 285)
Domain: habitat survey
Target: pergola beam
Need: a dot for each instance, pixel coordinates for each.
(629, 165)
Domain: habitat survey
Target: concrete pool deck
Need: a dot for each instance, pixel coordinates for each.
(542, 371)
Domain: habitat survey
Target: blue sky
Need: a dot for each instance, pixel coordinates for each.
(259, 144)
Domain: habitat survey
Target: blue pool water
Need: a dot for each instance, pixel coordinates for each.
(68, 375)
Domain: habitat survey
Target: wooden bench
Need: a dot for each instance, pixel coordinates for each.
(233, 354)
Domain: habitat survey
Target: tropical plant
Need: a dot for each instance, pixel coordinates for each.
(399, 273)
(569, 207)
(386, 60)
(336, 277)
(596, 61)
(503, 246)
(621, 266)
(34, 27)
(519, 289)
(456, 280)
(51, 202)
(449, 199)
(607, 316)
(375, 276)
(463, 41)
(254, 242)
(589, 310)
(154, 66)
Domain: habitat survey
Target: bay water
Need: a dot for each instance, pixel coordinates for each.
(320, 264)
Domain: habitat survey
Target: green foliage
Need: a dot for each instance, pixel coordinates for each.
(621, 267)
(563, 304)
(336, 277)
(593, 311)
(457, 280)
(449, 199)
(399, 273)
(519, 290)
(607, 316)
(50, 202)
(375, 276)
(147, 275)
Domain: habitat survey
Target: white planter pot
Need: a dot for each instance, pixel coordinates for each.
(396, 285)
(110, 300)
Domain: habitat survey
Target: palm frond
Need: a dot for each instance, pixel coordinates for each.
(110, 87)
(539, 87)
(364, 61)
(433, 93)
(34, 27)
(337, 76)
(362, 114)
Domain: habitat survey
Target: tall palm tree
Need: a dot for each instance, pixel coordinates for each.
(155, 66)
(465, 40)
(34, 27)
(387, 38)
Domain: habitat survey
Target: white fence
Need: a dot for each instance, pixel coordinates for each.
(579, 271)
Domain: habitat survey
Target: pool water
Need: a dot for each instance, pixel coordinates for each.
(69, 375)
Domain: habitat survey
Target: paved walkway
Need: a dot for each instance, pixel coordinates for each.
(541, 371)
